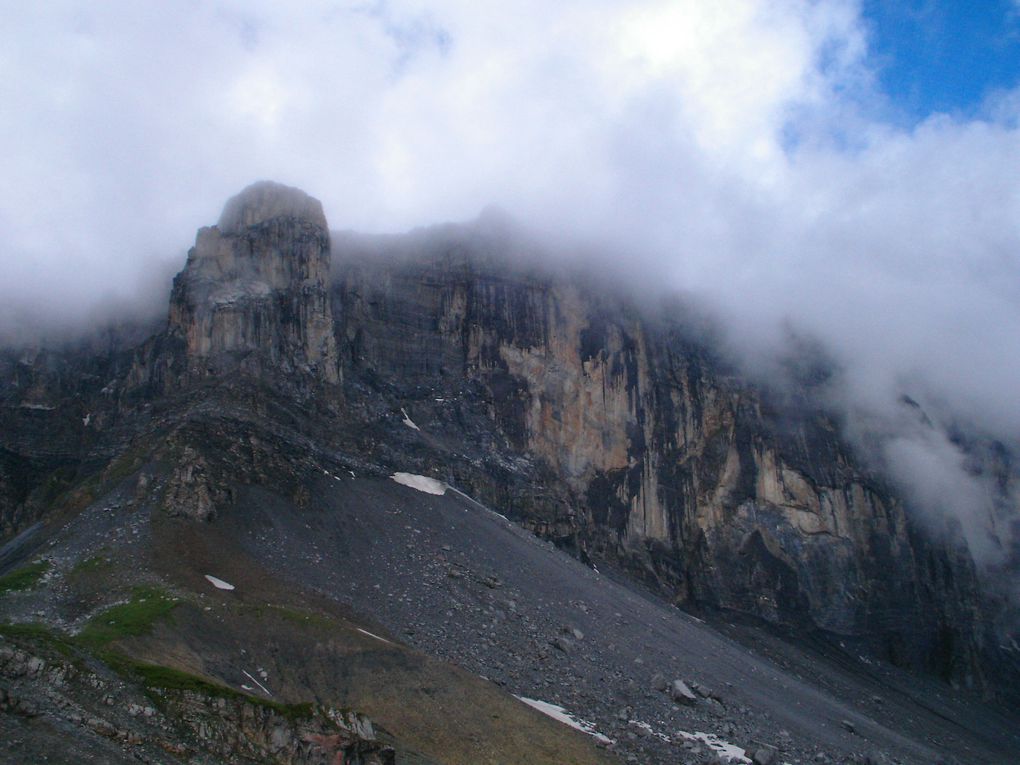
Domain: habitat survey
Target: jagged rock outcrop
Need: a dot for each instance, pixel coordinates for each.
(254, 294)
(207, 722)
(190, 492)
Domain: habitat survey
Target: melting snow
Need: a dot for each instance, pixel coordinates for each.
(726, 751)
(372, 635)
(408, 421)
(420, 482)
(219, 584)
(562, 715)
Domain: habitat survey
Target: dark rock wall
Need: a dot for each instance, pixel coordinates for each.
(651, 453)
(255, 291)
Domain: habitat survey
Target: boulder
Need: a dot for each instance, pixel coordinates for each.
(681, 693)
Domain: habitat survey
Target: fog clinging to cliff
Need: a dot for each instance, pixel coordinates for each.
(738, 150)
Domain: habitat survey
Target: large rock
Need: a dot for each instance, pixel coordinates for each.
(681, 693)
(254, 294)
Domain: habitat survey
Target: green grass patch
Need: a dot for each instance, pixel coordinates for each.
(23, 578)
(124, 465)
(154, 677)
(297, 616)
(132, 619)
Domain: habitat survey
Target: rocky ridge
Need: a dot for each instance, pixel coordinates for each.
(623, 437)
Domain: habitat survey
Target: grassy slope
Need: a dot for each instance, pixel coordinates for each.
(312, 650)
(431, 711)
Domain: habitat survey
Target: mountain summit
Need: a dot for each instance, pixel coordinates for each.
(265, 200)
(255, 291)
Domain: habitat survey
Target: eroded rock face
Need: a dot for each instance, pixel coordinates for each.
(634, 443)
(263, 201)
(191, 492)
(254, 293)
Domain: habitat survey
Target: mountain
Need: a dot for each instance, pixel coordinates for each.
(349, 475)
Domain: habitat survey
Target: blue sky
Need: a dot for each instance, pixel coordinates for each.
(943, 56)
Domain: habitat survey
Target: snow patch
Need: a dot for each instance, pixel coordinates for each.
(219, 584)
(560, 714)
(726, 751)
(373, 635)
(408, 421)
(421, 483)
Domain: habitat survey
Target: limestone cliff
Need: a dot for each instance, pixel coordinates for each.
(254, 293)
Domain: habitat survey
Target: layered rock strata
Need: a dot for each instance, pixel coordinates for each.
(626, 439)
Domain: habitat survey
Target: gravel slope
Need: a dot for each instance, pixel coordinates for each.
(459, 581)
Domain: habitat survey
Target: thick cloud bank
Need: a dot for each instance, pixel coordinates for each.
(739, 150)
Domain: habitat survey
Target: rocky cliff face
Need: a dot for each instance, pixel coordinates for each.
(630, 442)
(254, 294)
(597, 421)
